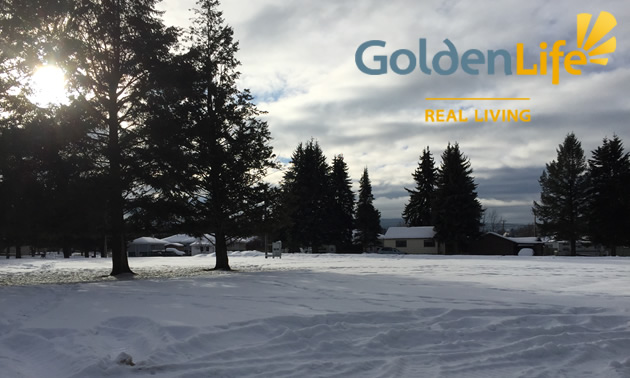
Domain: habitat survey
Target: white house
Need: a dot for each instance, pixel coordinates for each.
(411, 239)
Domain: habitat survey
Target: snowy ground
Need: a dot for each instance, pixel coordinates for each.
(317, 316)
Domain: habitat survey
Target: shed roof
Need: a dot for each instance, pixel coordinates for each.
(424, 232)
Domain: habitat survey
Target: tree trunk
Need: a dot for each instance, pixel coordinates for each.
(573, 247)
(120, 264)
(450, 247)
(221, 252)
(613, 250)
(18, 251)
(66, 252)
(104, 249)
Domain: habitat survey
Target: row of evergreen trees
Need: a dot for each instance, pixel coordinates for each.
(445, 198)
(581, 199)
(316, 205)
(155, 135)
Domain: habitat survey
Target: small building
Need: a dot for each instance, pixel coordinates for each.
(414, 240)
(193, 245)
(146, 246)
(582, 248)
(494, 244)
(239, 244)
(623, 251)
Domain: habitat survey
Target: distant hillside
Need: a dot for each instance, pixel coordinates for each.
(391, 222)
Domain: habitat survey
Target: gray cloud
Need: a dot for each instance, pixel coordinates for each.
(298, 60)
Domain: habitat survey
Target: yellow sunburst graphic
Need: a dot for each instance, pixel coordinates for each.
(605, 23)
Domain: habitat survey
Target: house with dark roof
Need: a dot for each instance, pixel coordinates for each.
(494, 244)
(193, 245)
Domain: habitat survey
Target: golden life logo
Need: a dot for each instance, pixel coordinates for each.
(447, 62)
(587, 52)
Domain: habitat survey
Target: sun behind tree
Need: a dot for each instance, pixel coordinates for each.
(49, 86)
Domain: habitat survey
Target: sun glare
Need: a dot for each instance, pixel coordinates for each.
(48, 83)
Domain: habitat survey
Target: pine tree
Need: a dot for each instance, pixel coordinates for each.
(342, 204)
(218, 146)
(609, 201)
(418, 211)
(109, 49)
(168, 152)
(367, 218)
(306, 192)
(562, 207)
(456, 209)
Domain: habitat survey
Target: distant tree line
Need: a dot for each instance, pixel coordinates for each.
(586, 199)
(155, 135)
(446, 198)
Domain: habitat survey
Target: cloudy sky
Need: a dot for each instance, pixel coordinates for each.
(298, 59)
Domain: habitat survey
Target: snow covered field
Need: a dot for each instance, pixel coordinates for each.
(317, 316)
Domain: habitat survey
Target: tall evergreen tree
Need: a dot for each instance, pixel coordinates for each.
(342, 204)
(609, 201)
(418, 211)
(166, 157)
(110, 47)
(562, 207)
(219, 145)
(456, 209)
(367, 217)
(306, 192)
